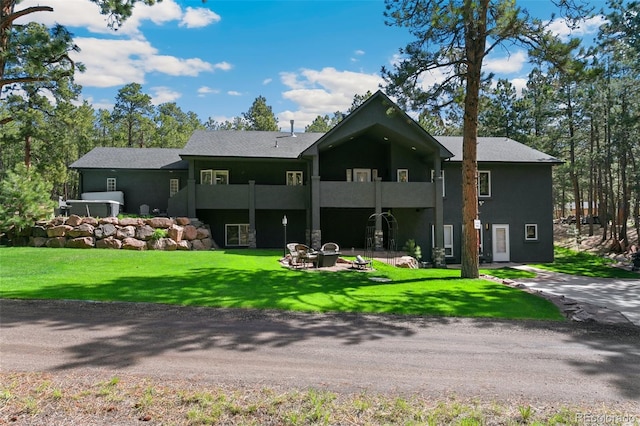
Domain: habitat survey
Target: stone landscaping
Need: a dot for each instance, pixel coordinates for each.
(74, 231)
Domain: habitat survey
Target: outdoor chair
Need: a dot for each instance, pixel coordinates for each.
(306, 255)
(293, 261)
(328, 255)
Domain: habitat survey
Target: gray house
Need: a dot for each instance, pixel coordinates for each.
(329, 185)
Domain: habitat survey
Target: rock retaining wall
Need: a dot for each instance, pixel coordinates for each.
(127, 233)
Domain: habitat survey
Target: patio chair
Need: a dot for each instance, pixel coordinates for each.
(306, 255)
(328, 255)
(330, 247)
(293, 261)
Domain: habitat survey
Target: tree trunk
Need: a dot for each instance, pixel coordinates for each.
(475, 40)
(27, 151)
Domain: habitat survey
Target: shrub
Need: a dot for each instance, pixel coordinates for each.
(159, 233)
(413, 249)
(25, 197)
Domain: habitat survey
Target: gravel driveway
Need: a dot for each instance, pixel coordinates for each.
(545, 361)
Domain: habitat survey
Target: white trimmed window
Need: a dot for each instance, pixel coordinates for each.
(111, 184)
(221, 177)
(362, 175)
(174, 186)
(484, 183)
(206, 177)
(236, 234)
(433, 179)
(403, 175)
(294, 178)
(531, 232)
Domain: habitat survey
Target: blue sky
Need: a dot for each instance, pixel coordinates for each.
(307, 58)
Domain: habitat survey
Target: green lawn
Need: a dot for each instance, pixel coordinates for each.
(582, 263)
(254, 279)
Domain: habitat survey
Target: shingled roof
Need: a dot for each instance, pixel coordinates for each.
(497, 150)
(248, 144)
(132, 158)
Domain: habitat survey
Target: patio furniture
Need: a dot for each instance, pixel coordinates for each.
(294, 260)
(306, 255)
(361, 263)
(328, 255)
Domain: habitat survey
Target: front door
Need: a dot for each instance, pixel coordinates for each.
(501, 243)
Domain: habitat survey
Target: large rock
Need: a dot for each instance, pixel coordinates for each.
(56, 242)
(162, 244)
(109, 220)
(184, 245)
(189, 232)
(38, 231)
(407, 262)
(183, 221)
(203, 233)
(130, 221)
(58, 231)
(109, 243)
(91, 221)
(133, 244)
(82, 242)
(175, 232)
(73, 220)
(82, 230)
(37, 241)
(159, 222)
(105, 230)
(144, 232)
(126, 232)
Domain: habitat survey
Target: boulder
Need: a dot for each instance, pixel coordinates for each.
(189, 232)
(73, 220)
(175, 232)
(90, 221)
(109, 243)
(203, 233)
(58, 231)
(58, 220)
(105, 230)
(109, 220)
(37, 241)
(207, 243)
(197, 245)
(56, 242)
(133, 244)
(82, 242)
(407, 262)
(184, 245)
(159, 222)
(130, 221)
(38, 231)
(144, 232)
(82, 230)
(162, 244)
(126, 232)
(183, 221)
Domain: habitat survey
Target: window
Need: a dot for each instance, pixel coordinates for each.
(349, 175)
(294, 178)
(174, 186)
(111, 184)
(433, 178)
(484, 183)
(221, 177)
(531, 232)
(403, 175)
(237, 234)
(448, 239)
(362, 175)
(206, 177)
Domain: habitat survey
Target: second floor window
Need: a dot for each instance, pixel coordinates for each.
(206, 177)
(221, 177)
(111, 184)
(174, 186)
(294, 178)
(484, 183)
(403, 175)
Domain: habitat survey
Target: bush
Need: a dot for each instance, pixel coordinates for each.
(413, 249)
(24, 198)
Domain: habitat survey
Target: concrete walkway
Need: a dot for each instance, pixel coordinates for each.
(621, 295)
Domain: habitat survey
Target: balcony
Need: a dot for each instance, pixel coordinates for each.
(265, 197)
(363, 194)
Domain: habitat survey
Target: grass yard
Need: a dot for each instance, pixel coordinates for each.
(254, 279)
(574, 262)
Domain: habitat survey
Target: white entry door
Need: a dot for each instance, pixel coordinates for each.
(501, 243)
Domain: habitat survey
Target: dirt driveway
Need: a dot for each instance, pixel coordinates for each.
(545, 361)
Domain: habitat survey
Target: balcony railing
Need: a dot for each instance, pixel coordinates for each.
(238, 197)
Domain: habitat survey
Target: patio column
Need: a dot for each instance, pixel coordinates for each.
(252, 214)
(378, 235)
(191, 190)
(437, 255)
(316, 233)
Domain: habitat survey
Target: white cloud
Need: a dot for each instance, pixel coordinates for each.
(267, 81)
(224, 66)
(325, 91)
(198, 17)
(205, 90)
(234, 93)
(520, 84)
(506, 65)
(175, 66)
(359, 52)
(162, 94)
(560, 27)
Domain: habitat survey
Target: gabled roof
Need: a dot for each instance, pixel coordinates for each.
(498, 150)
(132, 158)
(248, 144)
